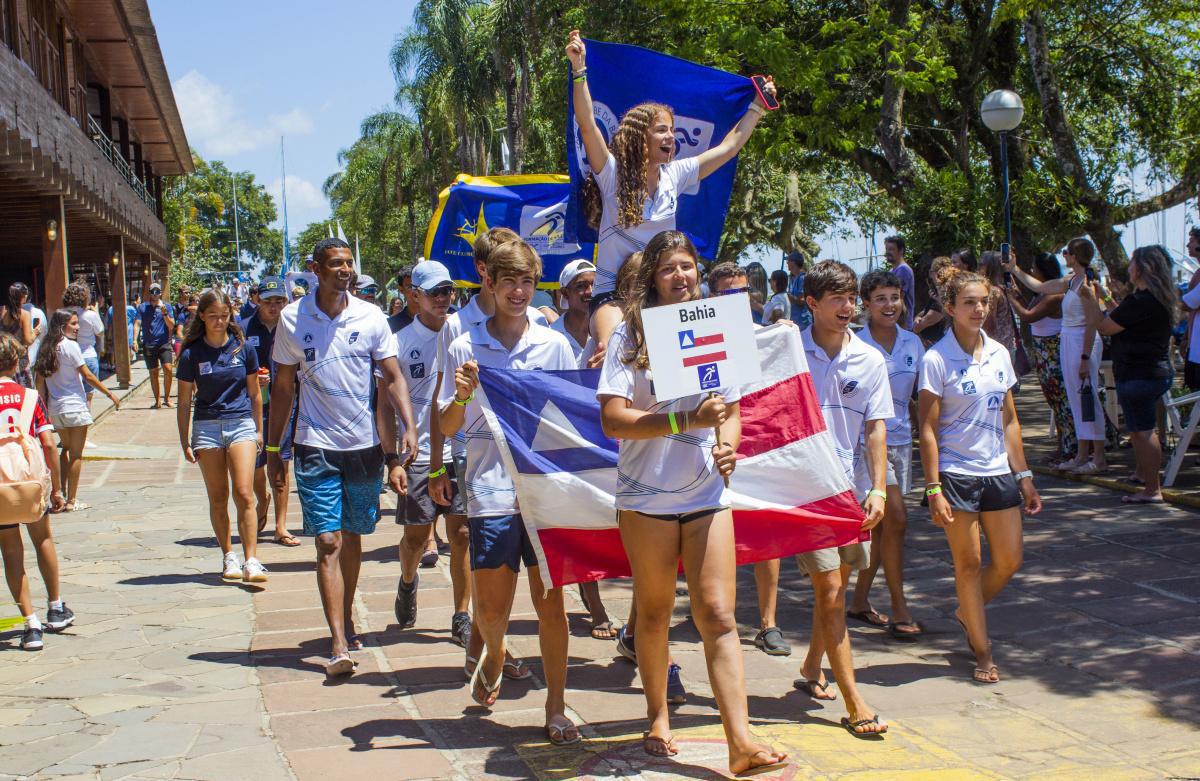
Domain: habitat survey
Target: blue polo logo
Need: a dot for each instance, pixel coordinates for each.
(308, 338)
(1000, 375)
(993, 402)
(417, 370)
(709, 376)
(414, 354)
(849, 387)
(908, 360)
(310, 354)
(968, 387)
(353, 337)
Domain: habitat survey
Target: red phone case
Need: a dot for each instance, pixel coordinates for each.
(766, 102)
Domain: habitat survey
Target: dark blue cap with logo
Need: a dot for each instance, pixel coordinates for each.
(272, 287)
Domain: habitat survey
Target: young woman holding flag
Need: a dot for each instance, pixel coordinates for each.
(635, 183)
(669, 504)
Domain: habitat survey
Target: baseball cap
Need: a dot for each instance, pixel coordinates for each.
(574, 269)
(272, 287)
(365, 281)
(430, 274)
(156, 288)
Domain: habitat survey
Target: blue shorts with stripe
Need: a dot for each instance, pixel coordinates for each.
(339, 489)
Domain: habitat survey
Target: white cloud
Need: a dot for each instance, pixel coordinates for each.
(306, 203)
(212, 121)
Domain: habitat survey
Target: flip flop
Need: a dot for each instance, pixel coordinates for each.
(1139, 499)
(870, 617)
(515, 670)
(340, 665)
(984, 676)
(852, 727)
(491, 691)
(663, 748)
(604, 630)
(894, 627)
(429, 558)
(354, 642)
(287, 541)
(760, 769)
(815, 689)
(557, 728)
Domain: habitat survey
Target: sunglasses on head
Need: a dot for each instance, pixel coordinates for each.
(733, 291)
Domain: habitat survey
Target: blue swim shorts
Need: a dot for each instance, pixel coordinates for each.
(339, 489)
(498, 541)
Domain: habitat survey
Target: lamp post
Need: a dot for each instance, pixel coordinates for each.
(1002, 111)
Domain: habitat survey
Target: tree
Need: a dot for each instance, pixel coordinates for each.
(198, 213)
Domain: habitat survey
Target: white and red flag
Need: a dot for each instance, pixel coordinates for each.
(789, 493)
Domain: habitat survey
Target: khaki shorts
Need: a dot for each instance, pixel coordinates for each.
(856, 556)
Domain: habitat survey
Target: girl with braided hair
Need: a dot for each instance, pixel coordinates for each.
(633, 191)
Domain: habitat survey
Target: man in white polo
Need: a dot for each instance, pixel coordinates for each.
(575, 285)
(329, 341)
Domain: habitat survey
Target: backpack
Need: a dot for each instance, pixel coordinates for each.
(24, 476)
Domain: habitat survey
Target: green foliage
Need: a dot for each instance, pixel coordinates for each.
(198, 213)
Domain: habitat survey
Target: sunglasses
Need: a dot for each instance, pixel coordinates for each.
(734, 291)
(438, 292)
(368, 291)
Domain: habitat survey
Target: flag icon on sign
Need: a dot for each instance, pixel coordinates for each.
(689, 341)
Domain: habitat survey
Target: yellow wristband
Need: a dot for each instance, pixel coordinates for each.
(464, 402)
(437, 473)
(933, 490)
(674, 424)
(876, 492)
(272, 448)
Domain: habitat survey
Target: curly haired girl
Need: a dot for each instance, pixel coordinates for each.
(633, 190)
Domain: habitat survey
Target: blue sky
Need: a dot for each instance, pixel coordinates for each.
(246, 72)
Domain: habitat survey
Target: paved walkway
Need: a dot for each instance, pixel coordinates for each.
(171, 674)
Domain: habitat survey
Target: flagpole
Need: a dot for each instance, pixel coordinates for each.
(283, 191)
(237, 237)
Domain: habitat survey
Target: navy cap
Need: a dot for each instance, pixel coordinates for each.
(272, 287)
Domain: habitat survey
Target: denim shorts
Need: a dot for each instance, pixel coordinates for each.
(500, 540)
(339, 489)
(1139, 401)
(208, 434)
(93, 365)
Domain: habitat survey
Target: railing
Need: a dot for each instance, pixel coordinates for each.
(113, 155)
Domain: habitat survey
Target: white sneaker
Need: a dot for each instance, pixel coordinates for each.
(231, 568)
(254, 572)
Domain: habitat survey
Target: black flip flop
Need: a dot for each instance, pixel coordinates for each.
(894, 632)
(864, 616)
(851, 727)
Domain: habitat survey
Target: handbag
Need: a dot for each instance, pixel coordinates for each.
(1087, 400)
(24, 475)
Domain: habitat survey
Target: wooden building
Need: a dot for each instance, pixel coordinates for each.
(88, 129)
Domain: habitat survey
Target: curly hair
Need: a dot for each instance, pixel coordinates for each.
(77, 294)
(627, 275)
(954, 280)
(645, 294)
(630, 147)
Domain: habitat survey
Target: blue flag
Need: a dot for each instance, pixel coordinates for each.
(707, 104)
(533, 205)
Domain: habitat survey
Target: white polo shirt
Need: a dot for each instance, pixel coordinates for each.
(560, 325)
(971, 425)
(490, 490)
(663, 475)
(903, 367)
(458, 323)
(416, 352)
(334, 360)
(852, 388)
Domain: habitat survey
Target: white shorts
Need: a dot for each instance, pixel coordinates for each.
(70, 419)
(899, 469)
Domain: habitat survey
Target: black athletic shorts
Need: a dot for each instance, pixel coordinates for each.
(980, 494)
(610, 297)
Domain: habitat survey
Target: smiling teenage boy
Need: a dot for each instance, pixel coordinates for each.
(851, 381)
(509, 339)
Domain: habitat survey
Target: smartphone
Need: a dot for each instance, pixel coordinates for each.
(1005, 252)
(760, 83)
(1090, 273)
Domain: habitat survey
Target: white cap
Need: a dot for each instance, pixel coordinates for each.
(429, 274)
(574, 269)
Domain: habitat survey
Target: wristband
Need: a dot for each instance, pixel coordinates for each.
(757, 109)
(876, 492)
(1022, 475)
(387, 457)
(466, 401)
(933, 490)
(437, 473)
(674, 423)
(576, 74)
(271, 448)
(581, 76)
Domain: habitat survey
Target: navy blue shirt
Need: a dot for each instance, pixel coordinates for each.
(220, 378)
(154, 327)
(247, 309)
